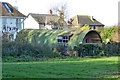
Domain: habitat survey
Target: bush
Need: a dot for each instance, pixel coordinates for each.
(97, 49)
(15, 49)
(107, 33)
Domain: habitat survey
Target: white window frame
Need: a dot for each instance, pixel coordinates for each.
(61, 38)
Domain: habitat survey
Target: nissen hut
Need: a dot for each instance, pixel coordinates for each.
(55, 37)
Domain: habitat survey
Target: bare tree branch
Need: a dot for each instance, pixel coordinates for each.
(61, 7)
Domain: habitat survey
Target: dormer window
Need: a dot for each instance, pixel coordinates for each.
(7, 8)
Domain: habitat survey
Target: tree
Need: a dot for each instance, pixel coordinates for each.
(61, 8)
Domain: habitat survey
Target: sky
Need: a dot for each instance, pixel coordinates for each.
(105, 11)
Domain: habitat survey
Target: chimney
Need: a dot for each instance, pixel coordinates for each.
(61, 14)
(50, 11)
(15, 5)
(92, 18)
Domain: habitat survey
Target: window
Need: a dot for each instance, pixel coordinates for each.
(65, 39)
(62, 39)
(4, 21)
(7, 8)
(59, 39)
(94, 27)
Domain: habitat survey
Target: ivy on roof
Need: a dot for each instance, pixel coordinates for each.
(49, 37)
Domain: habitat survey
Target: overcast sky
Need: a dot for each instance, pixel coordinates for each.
(105, 11)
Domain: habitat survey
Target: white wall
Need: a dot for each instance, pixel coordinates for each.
(7, 22)
(48, 27)
(30, 23)
(13, 23)
(0, 27)
(96, 27)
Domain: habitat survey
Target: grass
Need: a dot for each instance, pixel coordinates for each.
(67, 68)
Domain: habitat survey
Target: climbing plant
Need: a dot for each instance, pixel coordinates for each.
(107, 33)
(85, 27)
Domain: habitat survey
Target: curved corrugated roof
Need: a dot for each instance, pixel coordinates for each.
(49, 37)
(78, 37)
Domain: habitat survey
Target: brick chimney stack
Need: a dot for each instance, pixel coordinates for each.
(50, 12)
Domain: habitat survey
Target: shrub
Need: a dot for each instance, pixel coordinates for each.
(107, 33)
(17, 49)
(25, 52)
(97, 49)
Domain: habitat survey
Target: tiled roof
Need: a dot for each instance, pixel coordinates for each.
(84, 19)
(13, 11)
(42, 18)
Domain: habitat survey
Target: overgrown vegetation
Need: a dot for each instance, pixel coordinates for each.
(98, 50)
(49, 37)
(108, 32)
(85, 27)
(14, 51)
(35, 45)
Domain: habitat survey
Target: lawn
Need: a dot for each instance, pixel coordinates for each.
(67, 68)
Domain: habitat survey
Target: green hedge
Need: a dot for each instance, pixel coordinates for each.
(16, 49)
(98, 49)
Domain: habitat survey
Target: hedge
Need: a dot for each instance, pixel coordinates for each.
(14, 51)
(98, 49)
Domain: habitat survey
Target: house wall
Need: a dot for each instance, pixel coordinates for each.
(96, 27)
(75, 21)
(0, 27)
(116, 36)
(48, 27)
(10, 22)
(10, 27)
(30, 23)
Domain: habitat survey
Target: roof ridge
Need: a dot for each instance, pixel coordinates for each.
(42, 14)
(82, 15)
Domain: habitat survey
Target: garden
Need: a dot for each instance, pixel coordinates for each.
(27, 60)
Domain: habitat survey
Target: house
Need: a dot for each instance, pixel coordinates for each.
(43, 21)
(80, 20)
(52, 38)
(12, 21)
